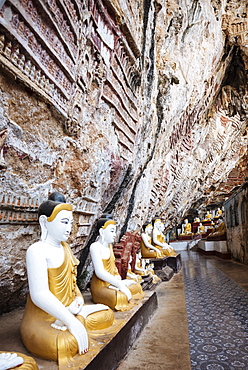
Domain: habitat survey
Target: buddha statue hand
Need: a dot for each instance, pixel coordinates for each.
(76, 306)
(77, 329)
(124, 289)
(10, 360)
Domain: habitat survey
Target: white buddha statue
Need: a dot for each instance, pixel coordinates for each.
(55, 321)
(158, 239)
(107, 286)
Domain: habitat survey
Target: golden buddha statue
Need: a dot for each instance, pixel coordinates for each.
(56, 320)
(186, 228)
(201, 229)
(158, 239)
(208, 217)
(147, 249)
(218, 231)
(218, 213)
(107, 287)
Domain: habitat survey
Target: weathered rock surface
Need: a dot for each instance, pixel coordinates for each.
(126, 107)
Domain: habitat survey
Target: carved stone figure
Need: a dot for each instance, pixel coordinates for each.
(107, 287)
(55, 321)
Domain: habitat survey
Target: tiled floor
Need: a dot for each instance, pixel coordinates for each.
(217, 311)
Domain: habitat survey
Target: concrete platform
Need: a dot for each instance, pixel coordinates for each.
(214, 247)
(106, 350)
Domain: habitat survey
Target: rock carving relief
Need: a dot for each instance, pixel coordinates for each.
(3, 136)
(120, 58)
(235, 25)
(16, 209)
(63, 50)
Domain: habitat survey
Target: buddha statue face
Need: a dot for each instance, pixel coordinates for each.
(148, 229)
(161, 226)
(108, 233)
(60, 228)
(157, 223)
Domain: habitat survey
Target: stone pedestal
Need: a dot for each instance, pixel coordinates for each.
(214, 247)
(179, 245)
(166, 264)
(175, 263)
(206, 247)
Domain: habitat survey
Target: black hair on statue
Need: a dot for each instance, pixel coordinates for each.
(144, 226)
(107, 215)
(101, 221)
(46, 208)
(57, 197)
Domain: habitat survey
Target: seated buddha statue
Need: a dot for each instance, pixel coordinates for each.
(218, 213)
(147, 249)
(201, 229)
(186, 228)
(131, 274)
(107, 286)
(158, 239)
(56, 320)
(139, 267)
(208, 217)
(218, 231)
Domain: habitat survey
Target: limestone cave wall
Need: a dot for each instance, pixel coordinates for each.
(134, 108)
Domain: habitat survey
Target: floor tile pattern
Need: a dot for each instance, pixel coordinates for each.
(217, 310)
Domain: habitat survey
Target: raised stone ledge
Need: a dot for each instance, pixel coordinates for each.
(113, 346)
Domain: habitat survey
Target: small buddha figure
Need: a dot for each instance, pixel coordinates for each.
(208, 216)
(196, 219)
(158, 239)
(131, 274)
(147, 249)
(201, 229)
(218, 213)
(139, 267)
(55, 320)
(186, 228)
(107, 286)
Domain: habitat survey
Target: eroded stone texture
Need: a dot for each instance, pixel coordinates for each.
(127, 107)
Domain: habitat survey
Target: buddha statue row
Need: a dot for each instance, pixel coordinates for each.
(201, 228)
(56, 321)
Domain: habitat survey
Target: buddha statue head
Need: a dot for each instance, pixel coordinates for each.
(55, 219)
(107, 229)
(147, 228)
(156, 223)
